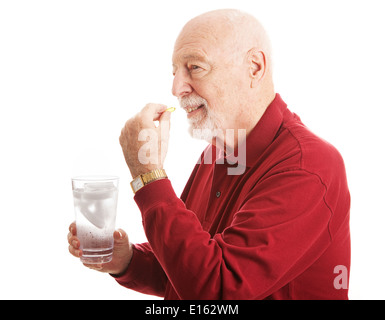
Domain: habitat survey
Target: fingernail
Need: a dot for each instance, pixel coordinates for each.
(75, 244)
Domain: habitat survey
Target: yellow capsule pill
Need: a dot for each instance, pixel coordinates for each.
(171, 109)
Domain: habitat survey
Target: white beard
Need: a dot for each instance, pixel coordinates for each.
(206, 125)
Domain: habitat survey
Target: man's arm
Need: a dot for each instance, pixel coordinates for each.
(144, 273)
(273, 238)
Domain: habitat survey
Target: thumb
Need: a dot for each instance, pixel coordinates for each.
(164, 124)
(120, 238)
(166, 116)
(164, 129)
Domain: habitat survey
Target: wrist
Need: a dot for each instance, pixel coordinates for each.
(143, 170)
(146, 178)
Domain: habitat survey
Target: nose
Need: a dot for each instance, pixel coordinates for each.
(181, 86)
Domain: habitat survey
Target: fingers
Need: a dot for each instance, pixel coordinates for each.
(72, 228)
(144, 144)
(153, 111)
(144, 120)
(74, 252)
(74, 246)
(73, 241)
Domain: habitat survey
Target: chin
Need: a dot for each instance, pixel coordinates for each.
(206, 131)
(206, 126)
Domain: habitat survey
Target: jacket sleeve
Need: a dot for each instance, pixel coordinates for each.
(144, 273)
(252, 258)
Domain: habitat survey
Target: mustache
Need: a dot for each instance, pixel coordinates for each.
(192, 101)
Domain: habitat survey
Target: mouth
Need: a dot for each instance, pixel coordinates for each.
(191, 110)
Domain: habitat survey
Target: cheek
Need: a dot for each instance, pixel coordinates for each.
(226, 97)
(231, 87)
(222, 92)
(210, 92)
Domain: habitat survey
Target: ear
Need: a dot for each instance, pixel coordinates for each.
(257, 65)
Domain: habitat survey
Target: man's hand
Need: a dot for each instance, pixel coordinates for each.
(143, 143)
(121, 256)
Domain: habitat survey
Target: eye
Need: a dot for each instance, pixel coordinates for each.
(194, 67)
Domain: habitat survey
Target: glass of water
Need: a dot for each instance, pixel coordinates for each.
(95, 201)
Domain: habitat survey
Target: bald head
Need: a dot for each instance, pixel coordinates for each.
(234, 32)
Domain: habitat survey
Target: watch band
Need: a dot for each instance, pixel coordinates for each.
(153, 175)
(146, 178)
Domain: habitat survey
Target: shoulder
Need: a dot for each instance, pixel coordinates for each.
(315, 155)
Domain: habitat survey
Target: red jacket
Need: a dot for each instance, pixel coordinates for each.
(280, 230)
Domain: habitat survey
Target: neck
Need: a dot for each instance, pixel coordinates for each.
(229, 140)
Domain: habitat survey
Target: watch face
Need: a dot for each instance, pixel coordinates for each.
(137, 184)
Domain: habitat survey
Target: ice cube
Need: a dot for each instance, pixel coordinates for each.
(97, 203)
(99, 190)
(97, 186)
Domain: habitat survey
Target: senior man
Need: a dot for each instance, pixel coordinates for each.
(275, 228)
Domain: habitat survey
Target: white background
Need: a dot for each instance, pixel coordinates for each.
(72, 73)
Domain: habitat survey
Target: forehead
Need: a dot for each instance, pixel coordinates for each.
(198, 43)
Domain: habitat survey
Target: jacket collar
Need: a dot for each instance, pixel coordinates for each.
(259, 138)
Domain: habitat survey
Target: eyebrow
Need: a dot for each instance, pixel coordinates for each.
(192, 56)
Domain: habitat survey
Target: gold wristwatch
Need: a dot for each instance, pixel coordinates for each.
(141, 180)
